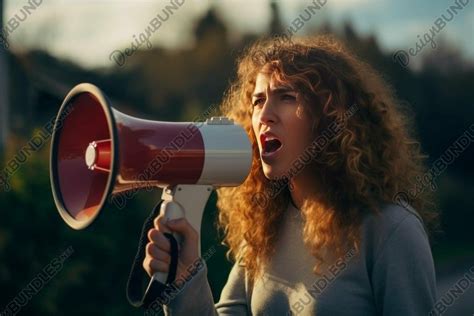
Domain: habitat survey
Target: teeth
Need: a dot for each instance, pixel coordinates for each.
(268, 138)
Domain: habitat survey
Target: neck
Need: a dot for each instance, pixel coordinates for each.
(303, 187)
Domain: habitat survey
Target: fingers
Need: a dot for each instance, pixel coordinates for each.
(152, 266)
(184, 228)
(157, 251)
(159, 240)
(159, 223)
(158, 254)
(181, 226)
(156, 259)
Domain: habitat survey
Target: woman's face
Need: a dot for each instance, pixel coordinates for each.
(277, 109)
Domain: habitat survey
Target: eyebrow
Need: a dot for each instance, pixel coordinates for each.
(276, 90)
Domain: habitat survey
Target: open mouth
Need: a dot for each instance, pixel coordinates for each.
(271, 146)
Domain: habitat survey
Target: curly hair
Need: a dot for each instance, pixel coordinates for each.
(367, 162)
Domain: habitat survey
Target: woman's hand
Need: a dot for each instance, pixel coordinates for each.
(158, 250)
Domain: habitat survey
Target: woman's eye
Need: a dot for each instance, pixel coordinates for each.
(257, 102)
(289, 97)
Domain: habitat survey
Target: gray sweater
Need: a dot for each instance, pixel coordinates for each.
(394, 275)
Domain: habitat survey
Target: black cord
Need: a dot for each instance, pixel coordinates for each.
(137, 273)
(136, 294)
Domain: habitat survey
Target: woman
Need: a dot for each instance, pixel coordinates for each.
(318, 227)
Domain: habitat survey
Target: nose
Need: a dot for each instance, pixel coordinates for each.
(268, 114)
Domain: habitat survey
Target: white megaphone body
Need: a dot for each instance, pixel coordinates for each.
(98, 151)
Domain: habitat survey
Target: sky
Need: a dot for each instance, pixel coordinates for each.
(88, 31)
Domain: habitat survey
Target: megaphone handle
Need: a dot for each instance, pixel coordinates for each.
(173, 204)
(160, 280)
(135, 294)
(170, 210)
(170, 276)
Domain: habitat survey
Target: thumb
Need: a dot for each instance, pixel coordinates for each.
(183, 227)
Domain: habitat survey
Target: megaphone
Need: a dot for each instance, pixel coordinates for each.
(97, 152)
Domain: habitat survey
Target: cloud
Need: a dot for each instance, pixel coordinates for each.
(88, 31)
(345, 5)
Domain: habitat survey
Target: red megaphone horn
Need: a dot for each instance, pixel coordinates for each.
(98, 151)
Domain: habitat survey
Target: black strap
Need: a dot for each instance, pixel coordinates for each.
(137, 294)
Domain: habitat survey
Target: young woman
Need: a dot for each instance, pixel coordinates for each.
(328, 221)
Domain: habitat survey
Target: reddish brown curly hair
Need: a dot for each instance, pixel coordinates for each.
(369, 162)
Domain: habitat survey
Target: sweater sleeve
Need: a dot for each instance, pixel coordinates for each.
(403, 275)
(195, 297)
